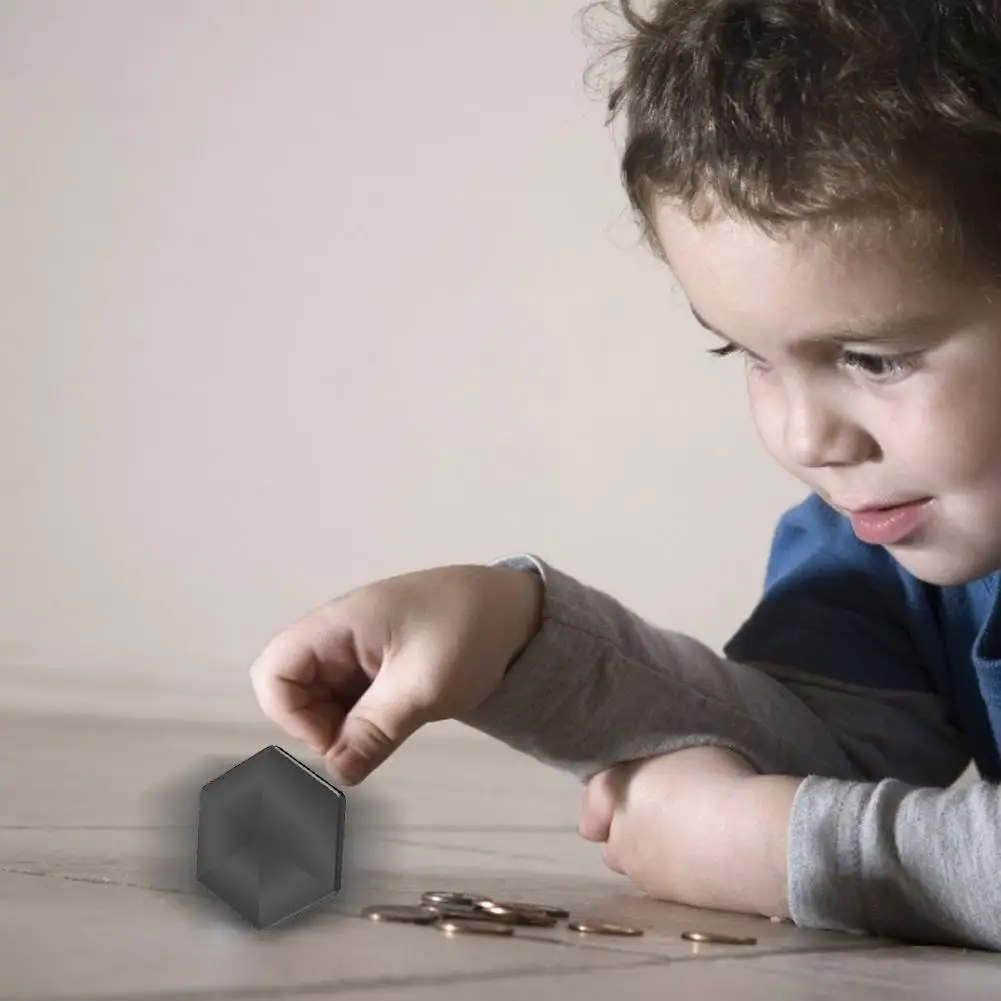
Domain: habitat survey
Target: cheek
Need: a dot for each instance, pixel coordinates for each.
(956, 434)
(767, 413)
(946, 419)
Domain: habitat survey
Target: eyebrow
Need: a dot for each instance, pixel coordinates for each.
(891, 329)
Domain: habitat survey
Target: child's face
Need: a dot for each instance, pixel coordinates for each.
(912, 417)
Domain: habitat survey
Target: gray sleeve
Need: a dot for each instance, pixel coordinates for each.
(599, 685)
(898, 862)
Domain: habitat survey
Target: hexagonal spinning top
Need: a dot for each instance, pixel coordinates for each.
(270, 838)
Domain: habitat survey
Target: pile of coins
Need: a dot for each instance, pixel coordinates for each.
(457, 913)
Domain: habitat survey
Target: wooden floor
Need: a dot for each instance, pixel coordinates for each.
(98, 900)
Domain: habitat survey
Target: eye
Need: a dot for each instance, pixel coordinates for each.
(753, 361)
(727, 349)
(881, 367)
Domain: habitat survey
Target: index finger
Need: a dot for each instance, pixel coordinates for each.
(284, 678)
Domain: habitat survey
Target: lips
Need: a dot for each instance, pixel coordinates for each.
(886, 524)
(881, 505)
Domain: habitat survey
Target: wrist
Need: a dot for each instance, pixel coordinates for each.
(765, 802)
(525, 597)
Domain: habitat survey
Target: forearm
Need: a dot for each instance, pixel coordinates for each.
(881, 859)
(598, 685)
(890, 860)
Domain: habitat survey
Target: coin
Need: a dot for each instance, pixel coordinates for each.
(711, 937)
(548, 909)
(448, 912)
(519, 915)
(463, 926)
(452, 897)
(448, 905)
(409, 915)
(602, 928)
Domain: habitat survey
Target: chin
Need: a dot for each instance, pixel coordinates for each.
(944, 568)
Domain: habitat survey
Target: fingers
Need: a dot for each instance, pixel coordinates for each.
(380, 721)
(360, 748)
(285, 680)
(600, 798)
(322, 721)
(604, 796)
(610, 859)
(309, 681)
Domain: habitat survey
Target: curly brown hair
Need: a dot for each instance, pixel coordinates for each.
(861, 119)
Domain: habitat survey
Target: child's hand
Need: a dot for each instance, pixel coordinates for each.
(697, 826)
(358, 675)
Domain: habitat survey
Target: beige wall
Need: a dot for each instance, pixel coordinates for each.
(297, 294)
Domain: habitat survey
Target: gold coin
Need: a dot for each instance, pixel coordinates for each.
(714, 939)
(409, 915)
(602, 928)
(515, 905)
(520, 915)
(463, 926)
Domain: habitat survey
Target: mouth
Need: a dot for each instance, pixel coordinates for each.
(881, 506)
(887, 523)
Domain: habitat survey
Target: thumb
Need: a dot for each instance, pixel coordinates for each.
(379, 722)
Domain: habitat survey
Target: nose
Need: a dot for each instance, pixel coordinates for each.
(817, 433)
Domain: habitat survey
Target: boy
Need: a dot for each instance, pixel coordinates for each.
(823, 179)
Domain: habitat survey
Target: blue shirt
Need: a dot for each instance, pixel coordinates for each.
(844, 609)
